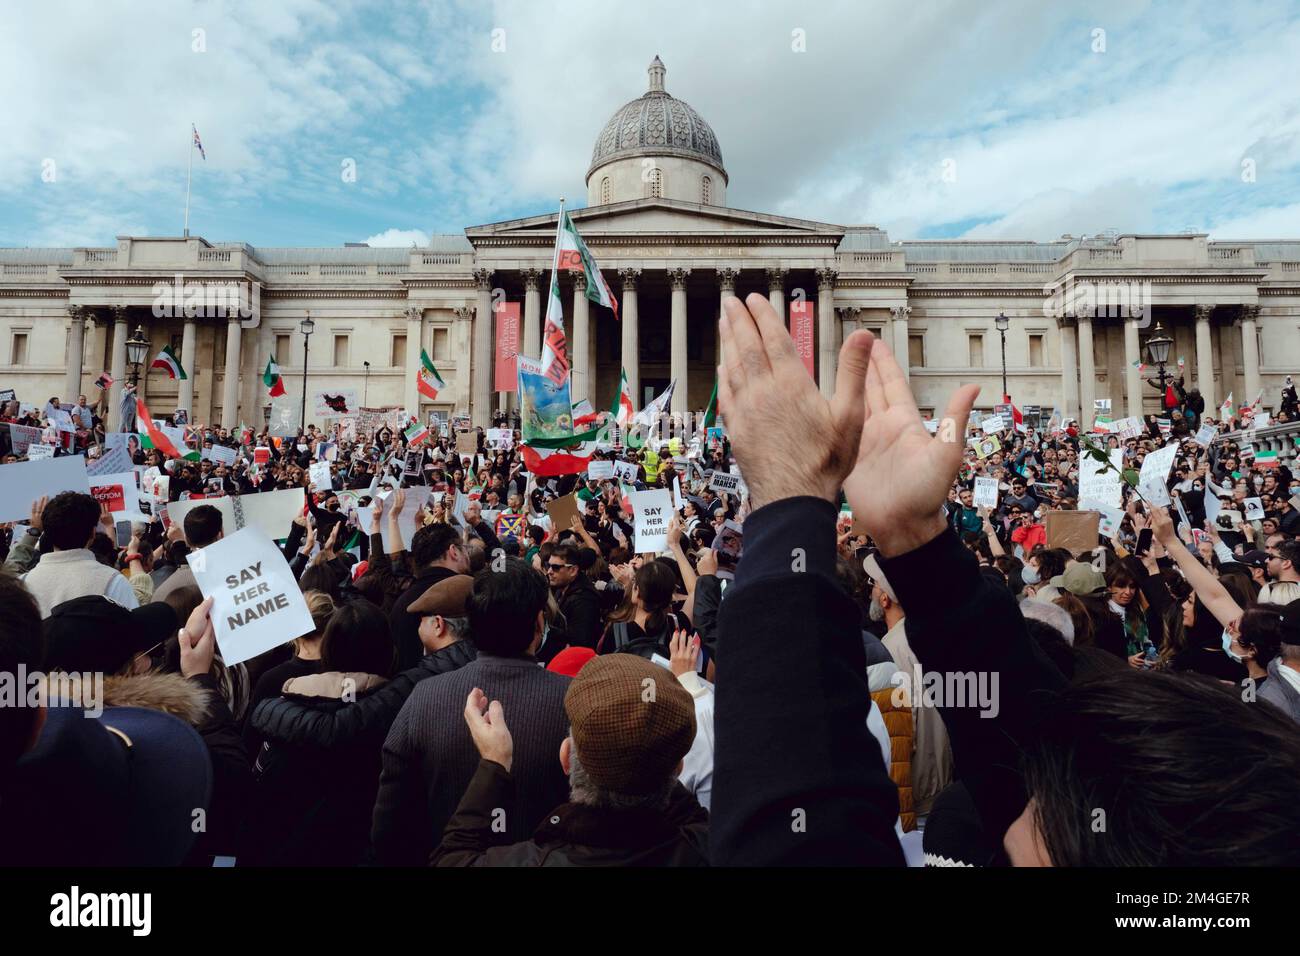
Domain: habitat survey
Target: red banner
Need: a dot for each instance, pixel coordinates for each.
(801, 330)
(507, 378)
(110, 497)
(571, 259)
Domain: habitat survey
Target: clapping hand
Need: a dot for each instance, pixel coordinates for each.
(487, 726)
(684, 653)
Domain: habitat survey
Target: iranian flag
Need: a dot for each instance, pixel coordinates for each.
(711, 411)
(1225, 410)
(271, 378)
(573, 254)
(416, 434)
(623, 411)
(154, 434)
(427, 380)
(168, 362)
(547, 457)
(1266, 459)
(570, 253)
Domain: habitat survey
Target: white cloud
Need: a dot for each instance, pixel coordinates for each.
(399, 237)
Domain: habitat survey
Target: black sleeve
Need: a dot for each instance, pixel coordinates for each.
(582, 618)
(291, 545)
(490, 541)
(231, 778)
(806, 711)
(976, 629)
(469, 831)
(708, 599)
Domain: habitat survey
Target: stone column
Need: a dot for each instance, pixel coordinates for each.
(580, 348)
(118, 370)
(463, 344)
(726, 287)
(1132, 377)
(1249, 353)
(898, 337)
(1087, 372)
(76, 351)
(680, 399)
(850, 320)
(185, 387)
(532, 315)
(414, 342)
(631, 350)
(1069, 372)
(776, 291)
(480, 397)
(1205, 356)
(826, 331)
(230, 384)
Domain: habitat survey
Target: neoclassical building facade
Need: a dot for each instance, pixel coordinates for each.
(1080, 309)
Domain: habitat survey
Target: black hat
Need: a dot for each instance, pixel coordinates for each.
(1255, 559)
(94, 634)
(1290, 622)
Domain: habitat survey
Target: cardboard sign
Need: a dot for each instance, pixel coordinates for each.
(650, 513)
(563, 511)
(1096, 483)
(986, 493)
(626, 471)
(1155, 473)
(723, 482)
(319, 472)
(600, 470)
(1076, 531)
(271, 512)
(222, 455)
(24, 482)
(1254, 509)
(467, 443)
(1205, 435)
(257, 604)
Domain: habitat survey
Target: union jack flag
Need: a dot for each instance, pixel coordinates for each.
(198, 142)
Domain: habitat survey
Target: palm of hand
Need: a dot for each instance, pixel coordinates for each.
(899, 474)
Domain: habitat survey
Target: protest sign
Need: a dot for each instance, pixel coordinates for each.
(1130, 427)
(987, 446)
(222, 455)
(651, 511)
(335, 403)
(1182, 512)
(319, 472)
(257, 604)
(23, 437)
(723, 482)
(563, 511)
(1097, 483)
(545, 406)
(600, 470)
(992, 425)
(38, 452)
(406, 520)
(729, 543)
(500, 439)
(626, 471)
(1006, 413)
(1101, 406)
(411, 464)
(986, 493)
(261, 455)
(23, 482)
(271, 512)
(1152, 480)
(112, 461)
(1032, 416)
(1254, 509)
(467, 443)
(1108, 524)
(116, 493)
(1205, 435)
(8, 395)
(1076, 531)
(511, 525)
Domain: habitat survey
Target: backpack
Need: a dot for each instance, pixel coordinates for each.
(645, 646)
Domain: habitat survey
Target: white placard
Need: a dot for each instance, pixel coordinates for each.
(1254, 509)
(113, 461)
(319, 472)
(500, 439)
(415, 499)
(222, 455)
(1263, 419)
(24, 482)
(271, 512)
(1205, 434)
(992, 425)
(651, 511)
(1130, 427)
(119, 492)
(626, 471)
(257, 604)
(1111, 518)
(39, 452)
(1155, 473)
(335, 403)
(986, 493)
(721, 481)
(600, 470)
(1098, 484)
(678, 500)
(1213, 506)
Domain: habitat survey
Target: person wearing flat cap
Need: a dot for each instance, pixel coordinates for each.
(631, 723)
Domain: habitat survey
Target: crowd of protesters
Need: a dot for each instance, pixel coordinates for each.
(888, 674)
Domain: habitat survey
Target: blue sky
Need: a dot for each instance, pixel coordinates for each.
(941, 119)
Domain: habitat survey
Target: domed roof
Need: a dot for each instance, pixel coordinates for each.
(657, 124)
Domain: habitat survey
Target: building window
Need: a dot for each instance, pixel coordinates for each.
(282, 349)
(706, 190)
(875, 331)
(441, 344)
(916, 350)
(1036, 351)
(340, 351)
(218, 353)
(975, 349)
(177, 342)
(604, 190)
(655, 184)
(18, 349)
(397, 356)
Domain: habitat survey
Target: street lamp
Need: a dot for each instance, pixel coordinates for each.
(365, 397)
(307, 326)
(1003, 323)
(1158, 348)
(137, 349)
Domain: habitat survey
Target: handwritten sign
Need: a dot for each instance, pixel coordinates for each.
(1205, 435)
(1155, 473)
(1096, 483)
(600, 470)
(986, 493)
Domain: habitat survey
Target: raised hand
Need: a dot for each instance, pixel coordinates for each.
(487, 727)
(684, 652)
(901, 480)
(789, 440)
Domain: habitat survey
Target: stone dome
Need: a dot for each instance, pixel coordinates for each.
(656, 124)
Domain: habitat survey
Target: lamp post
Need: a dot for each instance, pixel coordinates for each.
(1003, 323)
(1158, 348)
(307, 326)
(365, 395)
(137, 348)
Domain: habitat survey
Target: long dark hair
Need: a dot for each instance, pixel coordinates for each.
(357, 639)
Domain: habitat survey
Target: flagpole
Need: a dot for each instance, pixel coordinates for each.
(189, 170)
(555, 267)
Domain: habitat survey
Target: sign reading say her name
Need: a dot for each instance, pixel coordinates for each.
(651, 511)
(257, 604)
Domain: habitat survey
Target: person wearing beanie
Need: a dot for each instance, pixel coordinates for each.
(631, 724)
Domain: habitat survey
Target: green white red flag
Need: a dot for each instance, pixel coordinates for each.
(168, 362)
(156, 437)
(417, 433)
(427, 381)
(547, 457)
(570, 252)
(271, 378)
(623, 411)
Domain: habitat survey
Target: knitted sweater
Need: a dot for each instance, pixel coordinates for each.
(63, 575)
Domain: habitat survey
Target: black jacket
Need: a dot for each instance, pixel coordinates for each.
(572, 834)
(404, 626)
(580, 622)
